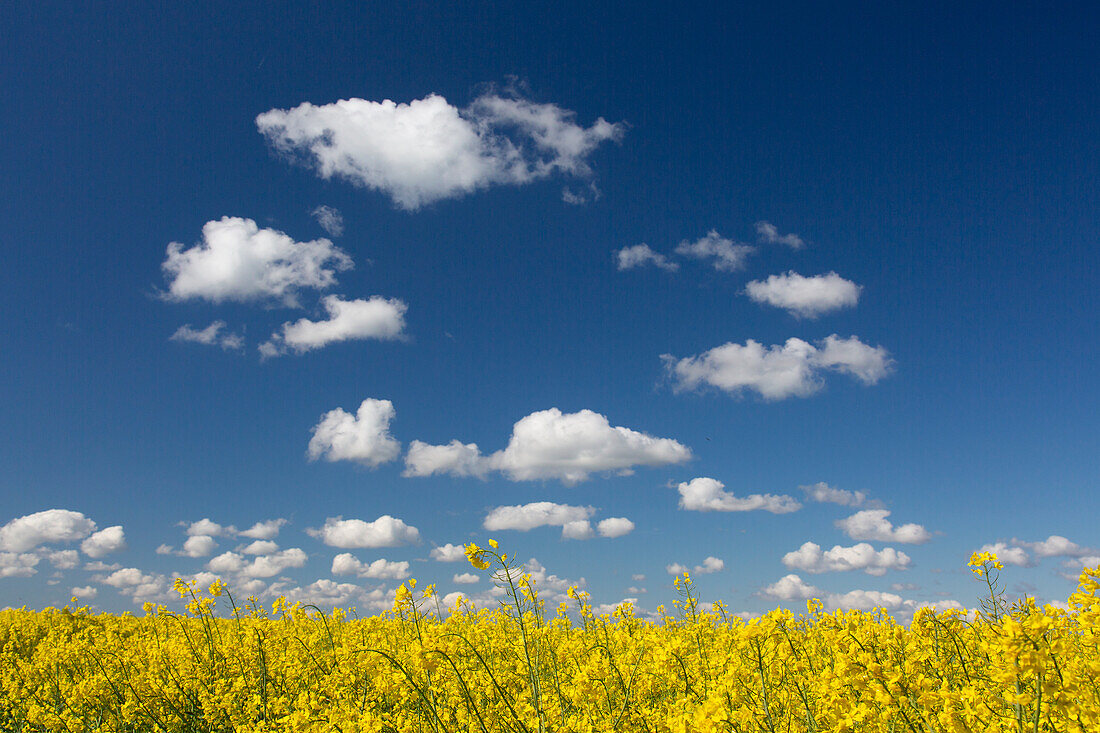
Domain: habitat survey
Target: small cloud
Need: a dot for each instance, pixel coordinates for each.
(466, 578)
(347, 564)
(209, 336)
(199, 545)
(265, 530)
(386, 531)
(708, 495)
(822, 492)
(448, 553)
(640, 255)
(348, 320)
(724, 254)
(863, 556)
(805, 297)
(615, 527)
(769, 234)
(872, 524)
(104, 542)
(363, 438)
(330, 219)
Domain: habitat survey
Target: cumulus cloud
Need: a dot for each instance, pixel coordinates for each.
(264, 566)
(709, 565)
(330, 219)
(347, 564)
(872, 524)
(327, 593)
(238, 261)
(809, 557)
(265, 530)
(348, 320)
(64, 559)
(45, 527)
(18, 564)
(777, 372)
(805, 297)
(708, 495)
(448, 553)
(135, 584)
(769, 234)
(104, 542)
(525, 517)
(1055, 546)
(386, 531)
(427, 150)
(85, 592)
(641, 255)
(259, 547)
(724, 254)
(364, 437)
(550, 444)
(210, 336)
(465, 578)
(200, 545)
(792, 587)
(615, 527)
(1009, 554)
(822, 492)
(456, 458)
(210, 528)
(580, 529)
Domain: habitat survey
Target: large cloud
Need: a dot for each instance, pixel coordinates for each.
(872, 524)
(386, 531)
(805, 297)
(779, 371)
(708, 495)
(428, 149)
(348, 320)
(238, 261)
(550, 444)
(364, 437)
(809, 557)
(53, 525)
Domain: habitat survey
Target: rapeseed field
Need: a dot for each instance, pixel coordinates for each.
(424, 669)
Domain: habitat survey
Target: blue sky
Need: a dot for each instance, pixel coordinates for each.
(897, 305)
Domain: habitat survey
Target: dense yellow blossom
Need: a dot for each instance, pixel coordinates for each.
(1016, 667)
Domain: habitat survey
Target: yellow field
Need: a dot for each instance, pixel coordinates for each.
(290, 668)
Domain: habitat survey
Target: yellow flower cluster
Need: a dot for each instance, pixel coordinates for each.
(1015, 667)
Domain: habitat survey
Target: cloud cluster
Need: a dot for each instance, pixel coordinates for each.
(263, 566)
(347, 564)
(872, 524)
(777, 372)
(709, 495)
(805, 297)
(550, 444)
(427, 149)
(363, 437)
(348, 320)
(809, 557)
(238, 261)
(1018, 552)
(709, 565)
(210, 336)
(573, 520)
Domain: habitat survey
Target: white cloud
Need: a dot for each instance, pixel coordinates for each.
(260, 547)
(207, 526)
(427, 149)
(330, 219)
(805, 297)
(456, 458)
(525, 517)
(347, 564)
(710, 565)
(364, 437)
(328, 593)
(580, 529)
(550, 444)
(137, 585)
(872, 524)
(238, 261)
(1055, 546)
(1009, 554)
(199, 545)
(449, 553)
(64, 559)
(104, 542)
(790, 588)
(465, 578)
(863, 556)
(386, 531)
(769, 233)
(615, 527)
(866, 600)
(209, 336)
(676, 569)
(17, 564)
(822, 492)
(264, 566)
(53, 525)
(726, 255)
(640, 255)
(708, 495)
(85, 592)
(348, 320)
(164, 549)
(266, 530)
(779, 371)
